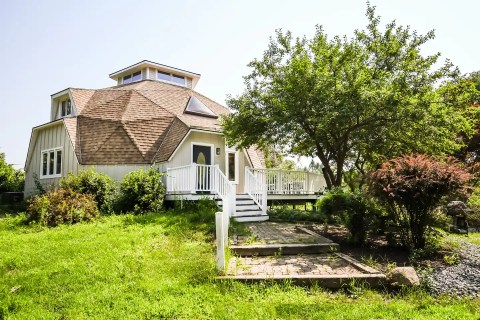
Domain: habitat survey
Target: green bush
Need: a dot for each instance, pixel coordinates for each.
(11, 180)
(101, 186)
(356, 211)
(61, 206)
(473, 217)
(142, 191)
(293, 215)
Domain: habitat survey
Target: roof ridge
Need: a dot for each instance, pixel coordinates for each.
(165, 138)
(169, 112)
(123, 123)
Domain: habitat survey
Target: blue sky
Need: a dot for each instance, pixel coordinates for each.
(47, 46)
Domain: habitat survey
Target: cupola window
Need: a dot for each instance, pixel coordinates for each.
(134, 77)
(65, 108)
(165, 76)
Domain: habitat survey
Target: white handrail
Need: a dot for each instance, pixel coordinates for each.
(195, 178)
(291, 182)
(255, 187)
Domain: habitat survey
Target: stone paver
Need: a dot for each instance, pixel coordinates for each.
(320, 264)
(334, 266)
(284, 233)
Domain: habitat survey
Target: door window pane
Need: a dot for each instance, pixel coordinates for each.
(201, 158)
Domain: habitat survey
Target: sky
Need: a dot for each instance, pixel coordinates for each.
(47, 46)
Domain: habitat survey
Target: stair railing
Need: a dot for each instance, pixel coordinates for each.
(256, 187)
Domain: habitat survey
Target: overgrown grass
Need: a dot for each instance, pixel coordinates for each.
(473, 237)
(162, 266)
(286, 214)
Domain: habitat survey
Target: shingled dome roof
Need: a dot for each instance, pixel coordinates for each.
(141, 122)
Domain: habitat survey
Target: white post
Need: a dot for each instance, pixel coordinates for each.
(169, 181)
(194, 175)
(220, 225)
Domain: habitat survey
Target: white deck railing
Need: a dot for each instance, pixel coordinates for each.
(255, 187)
(291, 182)
(202, 178)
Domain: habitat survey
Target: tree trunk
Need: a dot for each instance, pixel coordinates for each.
(326, 170)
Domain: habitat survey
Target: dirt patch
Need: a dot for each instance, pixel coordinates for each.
(376, 253)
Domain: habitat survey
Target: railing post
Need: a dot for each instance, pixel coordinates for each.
(169, 181)
(194, 175)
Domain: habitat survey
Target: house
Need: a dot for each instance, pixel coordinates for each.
(153, 117)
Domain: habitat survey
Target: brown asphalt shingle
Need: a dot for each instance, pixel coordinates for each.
(138, 123)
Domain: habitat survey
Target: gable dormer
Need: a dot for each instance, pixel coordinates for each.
(148, 70)
(62, 105)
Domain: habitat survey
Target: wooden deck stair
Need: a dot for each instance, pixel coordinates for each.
(246, 210)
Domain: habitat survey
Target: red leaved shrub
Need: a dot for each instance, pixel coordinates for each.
(412, 186)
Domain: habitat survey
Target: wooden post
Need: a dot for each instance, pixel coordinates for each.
(219, 224)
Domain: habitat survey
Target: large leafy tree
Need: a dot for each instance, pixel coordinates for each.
(350, 102)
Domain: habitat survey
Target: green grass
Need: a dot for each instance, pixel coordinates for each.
(473, 237)
(162, 266)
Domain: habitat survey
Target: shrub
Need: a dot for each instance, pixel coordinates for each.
(473, 217)
(293, 215)
(142, 191)
(354, 209)
(101, 186)
(61, 206)
(11, 180)
(412, 187)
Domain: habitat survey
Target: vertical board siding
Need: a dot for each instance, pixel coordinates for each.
(48, 138)
(153, 74)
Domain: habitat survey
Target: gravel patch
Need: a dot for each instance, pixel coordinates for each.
(462, 279)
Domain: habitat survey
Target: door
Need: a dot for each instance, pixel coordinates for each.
(202, 155)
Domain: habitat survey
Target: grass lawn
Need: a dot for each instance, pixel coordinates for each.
(162, 266)
(473, 237)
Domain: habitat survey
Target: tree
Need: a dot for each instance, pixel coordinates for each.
(412, 187)
(351, 102)
(10, 179)
(466, 91)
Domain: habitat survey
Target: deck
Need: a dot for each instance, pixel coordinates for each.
(248, 202)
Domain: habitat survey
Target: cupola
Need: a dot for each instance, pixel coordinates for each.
(148, 70)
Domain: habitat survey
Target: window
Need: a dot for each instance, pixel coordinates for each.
(171, 78)
(127, 79)
(65, 108)
(136, 76)
(163, 76)
(232, 166)
(178, 79)
(51, 163)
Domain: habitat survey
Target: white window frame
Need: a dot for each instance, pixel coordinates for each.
(212, 150)
(131, 77)
(55, 153)
(237, 165)
(60, 115)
